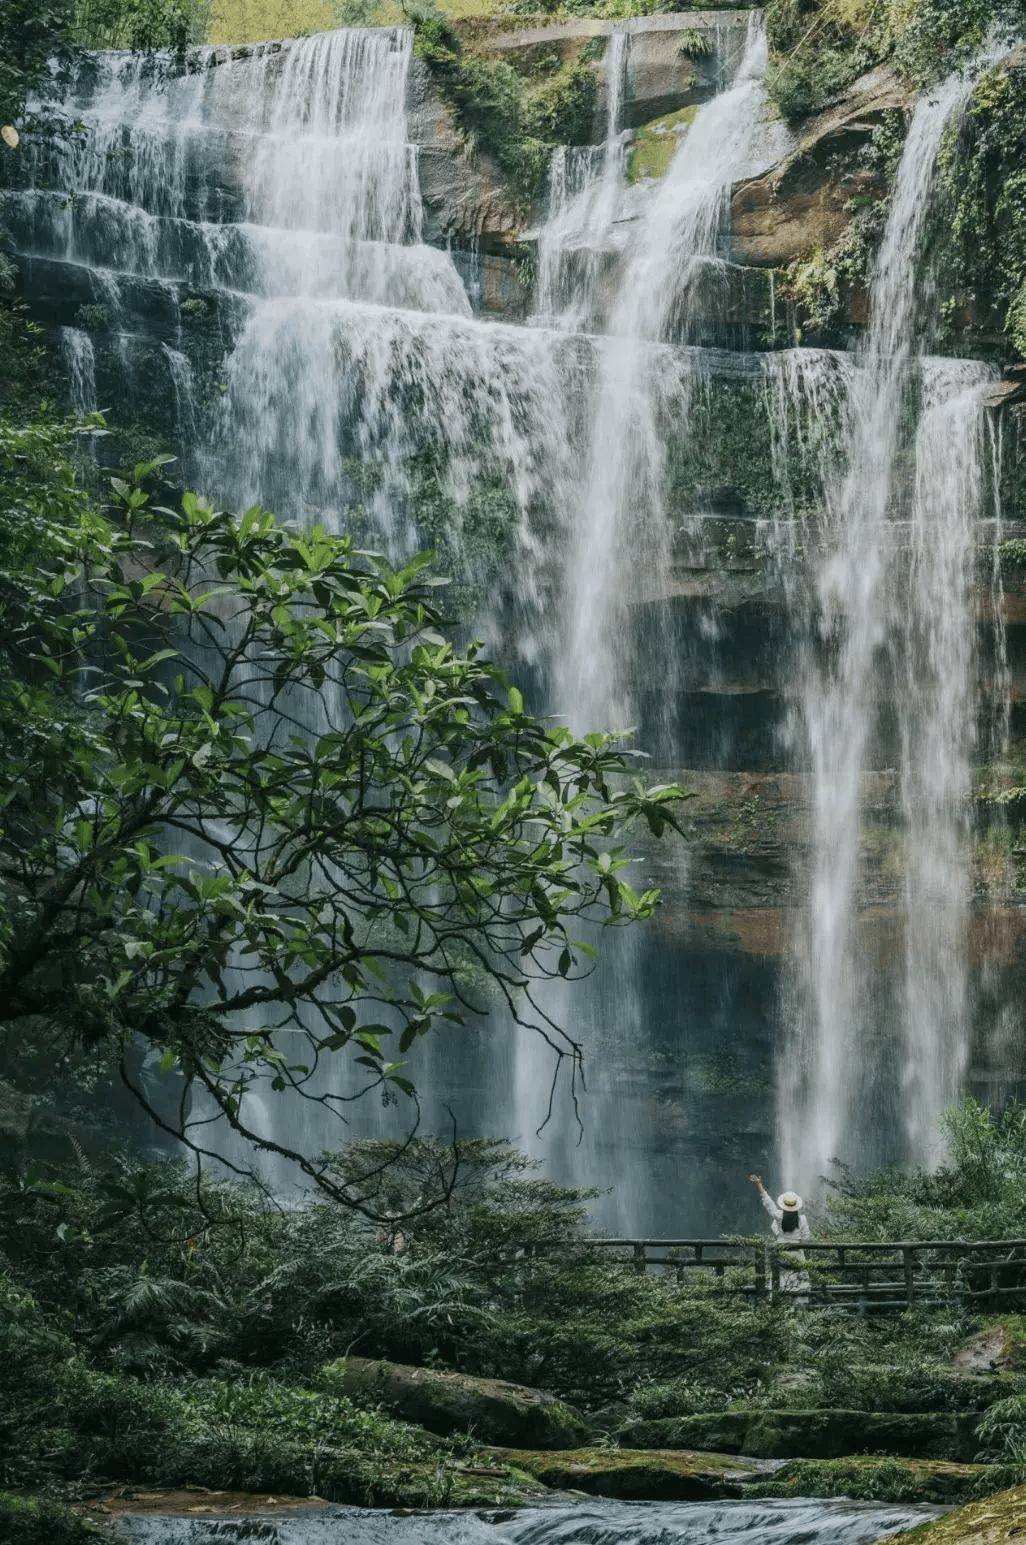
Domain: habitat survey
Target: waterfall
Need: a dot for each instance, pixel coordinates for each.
(621, 511)
(79, 360)
(892, 622)
(620, 521)
(586, 184)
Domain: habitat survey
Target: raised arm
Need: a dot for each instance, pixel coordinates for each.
(765, 1198)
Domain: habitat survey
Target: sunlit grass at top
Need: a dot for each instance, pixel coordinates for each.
(249, 21)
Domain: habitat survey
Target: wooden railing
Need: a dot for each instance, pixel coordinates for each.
(860, 1276)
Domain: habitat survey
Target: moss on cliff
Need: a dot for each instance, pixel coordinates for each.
(869, 1479)
(633, 1475)
(982, 259)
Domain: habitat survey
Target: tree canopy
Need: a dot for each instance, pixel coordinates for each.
(261, 811)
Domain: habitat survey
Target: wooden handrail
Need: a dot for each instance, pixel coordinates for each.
(852, 1274)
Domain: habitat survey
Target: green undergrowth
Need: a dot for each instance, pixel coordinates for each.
(156, 1330)
(28, 1520)
(871, 1479)
(66, 1420)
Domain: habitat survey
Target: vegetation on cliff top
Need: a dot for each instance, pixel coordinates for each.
(821, 46)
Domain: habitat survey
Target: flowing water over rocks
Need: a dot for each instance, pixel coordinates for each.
(586, 1523)
(763, 558)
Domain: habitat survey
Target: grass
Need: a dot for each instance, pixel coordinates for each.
(250, 21)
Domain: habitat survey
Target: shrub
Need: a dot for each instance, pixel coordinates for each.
(43, 1521)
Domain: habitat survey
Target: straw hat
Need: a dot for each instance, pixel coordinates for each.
(789, 1201)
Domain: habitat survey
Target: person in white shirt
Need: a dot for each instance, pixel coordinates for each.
(789, 1226)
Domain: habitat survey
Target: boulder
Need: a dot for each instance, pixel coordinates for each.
(633, 1475)
(804, 204)
(821, 1434)
(492, 1409)
(995, 1521)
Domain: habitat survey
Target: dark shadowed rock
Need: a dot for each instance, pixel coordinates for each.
(824, 1434)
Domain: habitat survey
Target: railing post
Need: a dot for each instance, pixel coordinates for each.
(774, 1275)
(639, 1259)
(909, 1262)
(761, 1270)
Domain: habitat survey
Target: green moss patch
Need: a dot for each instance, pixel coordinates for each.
(655, 144)
(495, 1410)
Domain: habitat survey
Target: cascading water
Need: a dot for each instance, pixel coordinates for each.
(586, 184)
(79, 360)
(895, 621)
(620, 525)
(589, 1522)
(938, 737)
(622, 510)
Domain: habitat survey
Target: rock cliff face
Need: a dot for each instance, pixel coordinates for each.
(731, 588)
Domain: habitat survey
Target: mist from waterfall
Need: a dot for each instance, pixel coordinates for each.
(894, 624)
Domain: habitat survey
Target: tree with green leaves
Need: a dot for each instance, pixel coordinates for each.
(260, 812)
(40, 40)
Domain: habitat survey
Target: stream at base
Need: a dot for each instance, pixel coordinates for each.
(801, 1521)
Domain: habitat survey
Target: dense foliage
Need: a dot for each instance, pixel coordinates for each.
(821, 46)
(983, 258)
(978, 1193)
(160, 1327)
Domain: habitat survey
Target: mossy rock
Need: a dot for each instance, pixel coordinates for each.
(868, 1479)
(995, 1521)
(493, 1410)
(655, 144)
(635, 1475)
(821, 1434)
